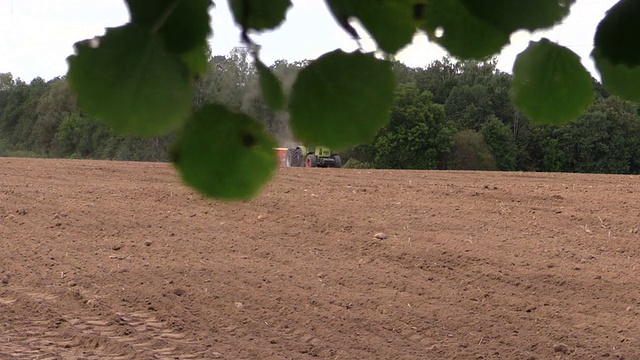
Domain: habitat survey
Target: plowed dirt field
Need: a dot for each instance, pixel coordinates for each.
(116, 260)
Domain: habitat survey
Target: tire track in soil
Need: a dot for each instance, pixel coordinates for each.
(51, 333)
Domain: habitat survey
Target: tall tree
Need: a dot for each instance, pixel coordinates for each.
(469, 106)
(23, 114)
(57, 103)
(499, 137)
(439, 78)
(605, 139)
(418, 135)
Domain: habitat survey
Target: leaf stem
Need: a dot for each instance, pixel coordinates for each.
(165, 16)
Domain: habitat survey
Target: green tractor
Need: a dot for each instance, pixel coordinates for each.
(319, 156)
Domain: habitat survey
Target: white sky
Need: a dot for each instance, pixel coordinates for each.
(36, 36)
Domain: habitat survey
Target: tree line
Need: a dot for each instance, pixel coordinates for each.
(447, 115)
(459, 116)
(42, 118)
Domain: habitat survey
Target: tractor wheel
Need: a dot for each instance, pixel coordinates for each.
(337, 161)
(299, 158)
(311, 161)
(291, 158)
(294, 157)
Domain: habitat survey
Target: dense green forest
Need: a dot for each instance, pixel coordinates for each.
(448, 115)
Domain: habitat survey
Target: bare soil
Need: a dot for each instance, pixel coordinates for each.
(116, 260)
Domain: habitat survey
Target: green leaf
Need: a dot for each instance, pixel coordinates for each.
(464, 35)
(271, 87)
(183, 24)
(509, 15)
(390, 22)
(259, 14)
(550, 85)
(618, 34)
(223, 154)
(130, 82)
(197, 60)
(619, 79)
(341, 99)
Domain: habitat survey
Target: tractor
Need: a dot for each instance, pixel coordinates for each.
(308, 156)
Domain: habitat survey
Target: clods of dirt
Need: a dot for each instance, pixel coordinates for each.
(466, 271)
(380, 236)
(179, 292)
(561, 348)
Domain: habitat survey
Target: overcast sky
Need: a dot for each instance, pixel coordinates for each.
(36, 36)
